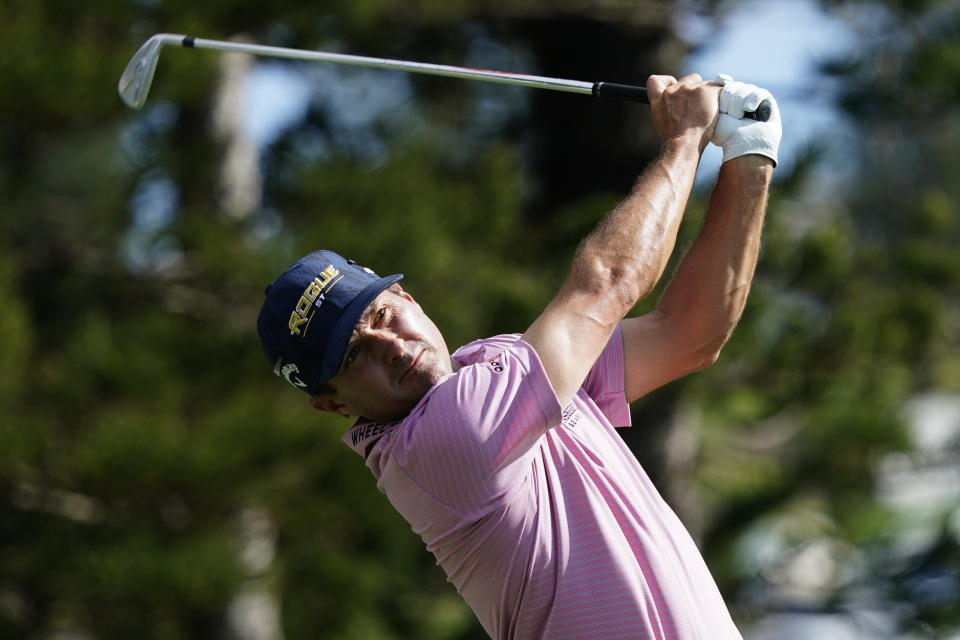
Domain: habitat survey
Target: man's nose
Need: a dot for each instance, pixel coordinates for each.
(390, 346)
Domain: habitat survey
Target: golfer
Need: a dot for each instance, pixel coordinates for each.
(503, 456)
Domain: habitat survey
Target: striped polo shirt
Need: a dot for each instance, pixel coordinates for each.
(539, 514)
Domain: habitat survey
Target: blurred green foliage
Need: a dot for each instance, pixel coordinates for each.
(143, 433)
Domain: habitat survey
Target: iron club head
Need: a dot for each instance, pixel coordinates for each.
(138, 75)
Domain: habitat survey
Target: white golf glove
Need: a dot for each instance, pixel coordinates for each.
(739, 136)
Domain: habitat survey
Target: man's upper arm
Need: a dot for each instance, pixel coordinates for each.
(655, 352)
(568, 338)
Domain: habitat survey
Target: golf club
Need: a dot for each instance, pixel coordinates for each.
(138, 74)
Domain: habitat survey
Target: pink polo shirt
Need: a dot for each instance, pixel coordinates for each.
(539, 514)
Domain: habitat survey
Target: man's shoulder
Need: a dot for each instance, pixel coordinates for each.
(475, 351)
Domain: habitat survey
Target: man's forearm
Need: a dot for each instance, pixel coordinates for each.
(623, 258)
(634, 242)
(707, 295)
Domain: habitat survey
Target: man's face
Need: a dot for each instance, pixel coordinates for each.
(395, 355)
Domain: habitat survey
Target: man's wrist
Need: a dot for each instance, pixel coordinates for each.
(753, 170)
(752, 163)
(683, 144)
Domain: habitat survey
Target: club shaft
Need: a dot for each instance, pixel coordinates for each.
(503, 77)
(137, 76)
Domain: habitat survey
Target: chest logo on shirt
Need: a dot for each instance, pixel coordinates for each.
(496, 362)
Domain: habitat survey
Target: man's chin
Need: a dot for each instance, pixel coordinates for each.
(414, 386)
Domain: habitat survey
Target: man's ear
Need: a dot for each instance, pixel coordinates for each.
(327, 404)
(403, 294)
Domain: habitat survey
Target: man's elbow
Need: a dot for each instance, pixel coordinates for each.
(707, 351)
(702, 361)
(612, 290)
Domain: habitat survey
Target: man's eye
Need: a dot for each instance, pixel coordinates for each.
(351, 355)
(382, 312)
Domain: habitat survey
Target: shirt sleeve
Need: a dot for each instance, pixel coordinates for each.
(469, 443)
(604, 383)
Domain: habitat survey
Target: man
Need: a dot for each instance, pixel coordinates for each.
(503, 457)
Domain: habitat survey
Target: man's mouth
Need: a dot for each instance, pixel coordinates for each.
(411, 366)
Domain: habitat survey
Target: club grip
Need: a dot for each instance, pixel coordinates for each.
(762, 114)
(613, 91)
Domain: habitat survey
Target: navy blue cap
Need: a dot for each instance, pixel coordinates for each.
(309, 314)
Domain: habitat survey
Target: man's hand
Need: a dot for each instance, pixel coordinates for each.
(738, 136)
(685, 108)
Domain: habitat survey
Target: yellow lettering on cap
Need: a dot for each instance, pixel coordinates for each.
(294, 323)
(327, 275)
(310, 295)
(303, 305)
